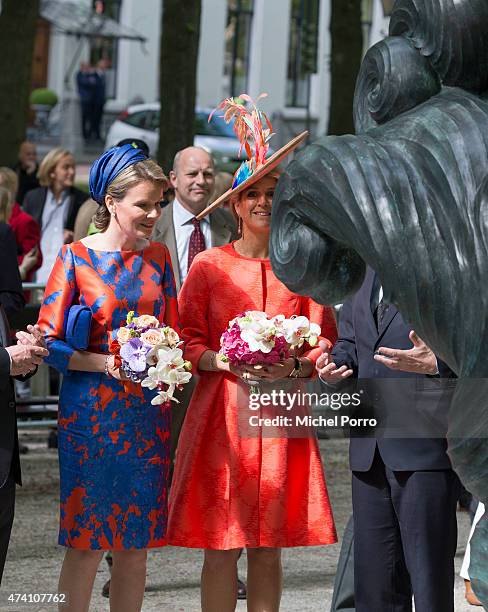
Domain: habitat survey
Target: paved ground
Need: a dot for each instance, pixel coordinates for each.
(173, 574)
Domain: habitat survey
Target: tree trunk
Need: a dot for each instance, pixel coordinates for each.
(346, 53)
(180, 37)
(18, 22)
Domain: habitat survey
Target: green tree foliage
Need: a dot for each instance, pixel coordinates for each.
(18, 21)
(346, 54)
(180, 37)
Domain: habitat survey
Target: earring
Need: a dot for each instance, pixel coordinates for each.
(239, 226)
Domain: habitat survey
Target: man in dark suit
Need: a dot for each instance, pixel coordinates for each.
(86, 83)
(15, 361)
(26, 169)
(403, 488)
(99, 97)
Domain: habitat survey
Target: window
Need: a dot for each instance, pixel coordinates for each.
(237, 46)
(216, 127)
(302, 50)
(139, 119)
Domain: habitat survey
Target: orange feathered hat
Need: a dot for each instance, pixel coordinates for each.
(254, 131)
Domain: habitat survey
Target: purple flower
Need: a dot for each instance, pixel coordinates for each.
(134, 354)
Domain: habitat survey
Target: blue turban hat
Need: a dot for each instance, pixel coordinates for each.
(109, 165)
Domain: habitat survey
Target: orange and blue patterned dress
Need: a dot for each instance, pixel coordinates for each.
(113, 443)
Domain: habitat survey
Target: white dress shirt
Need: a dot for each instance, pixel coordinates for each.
(183, 230)
(52, 232)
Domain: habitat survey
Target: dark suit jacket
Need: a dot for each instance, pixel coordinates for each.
(99, 90)
(9, 443)
(423, 399)
(27, 181)
(11, 301)
(11, 297)
(35, 201)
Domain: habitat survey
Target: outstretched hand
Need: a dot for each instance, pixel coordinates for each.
(327, 369)
(419, 359)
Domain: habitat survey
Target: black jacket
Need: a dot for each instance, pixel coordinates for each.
(11, 301)
(27, 181)
(35, 201)
(11, 297)
(411, 404)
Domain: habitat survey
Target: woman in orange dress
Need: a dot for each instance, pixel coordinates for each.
(231, 492)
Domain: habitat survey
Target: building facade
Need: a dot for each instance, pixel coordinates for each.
(246, 45)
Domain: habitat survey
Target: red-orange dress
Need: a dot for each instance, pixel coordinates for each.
(229, 491)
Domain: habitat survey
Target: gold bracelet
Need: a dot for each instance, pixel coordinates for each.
(297, 370)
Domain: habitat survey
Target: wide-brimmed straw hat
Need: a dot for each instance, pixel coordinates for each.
(254, 131)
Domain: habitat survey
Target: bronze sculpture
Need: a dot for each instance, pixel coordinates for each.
(408, 195)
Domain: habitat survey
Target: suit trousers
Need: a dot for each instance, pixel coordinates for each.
(343, 595)
(7, 504)
(405, 534)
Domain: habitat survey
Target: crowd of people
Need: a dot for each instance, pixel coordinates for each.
(135, 476)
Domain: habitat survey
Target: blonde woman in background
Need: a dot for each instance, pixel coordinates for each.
(55, 205)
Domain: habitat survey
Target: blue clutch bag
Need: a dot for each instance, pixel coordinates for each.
(78, 325)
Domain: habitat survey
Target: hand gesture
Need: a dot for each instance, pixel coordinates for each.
(25, 358)
(30, 259)
(419, 359)
(33, 337)
(327, 369)
(115, 372)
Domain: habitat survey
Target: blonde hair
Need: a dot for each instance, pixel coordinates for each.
(9, 180)
(6, 200)
(49, 163)
(146, 170)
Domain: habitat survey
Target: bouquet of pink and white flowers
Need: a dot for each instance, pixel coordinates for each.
(149, 353)
(253, 338)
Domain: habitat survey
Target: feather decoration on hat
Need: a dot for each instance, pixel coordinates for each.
(253, 130)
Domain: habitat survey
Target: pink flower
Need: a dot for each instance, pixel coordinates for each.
(238, 352)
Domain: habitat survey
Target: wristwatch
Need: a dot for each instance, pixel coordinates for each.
(297, 370)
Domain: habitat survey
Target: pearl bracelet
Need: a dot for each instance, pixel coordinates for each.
(105, 369)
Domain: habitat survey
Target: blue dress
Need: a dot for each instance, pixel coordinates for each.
(113, 443)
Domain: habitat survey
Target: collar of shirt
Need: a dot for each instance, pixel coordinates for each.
(182, 216)
(51, 198)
